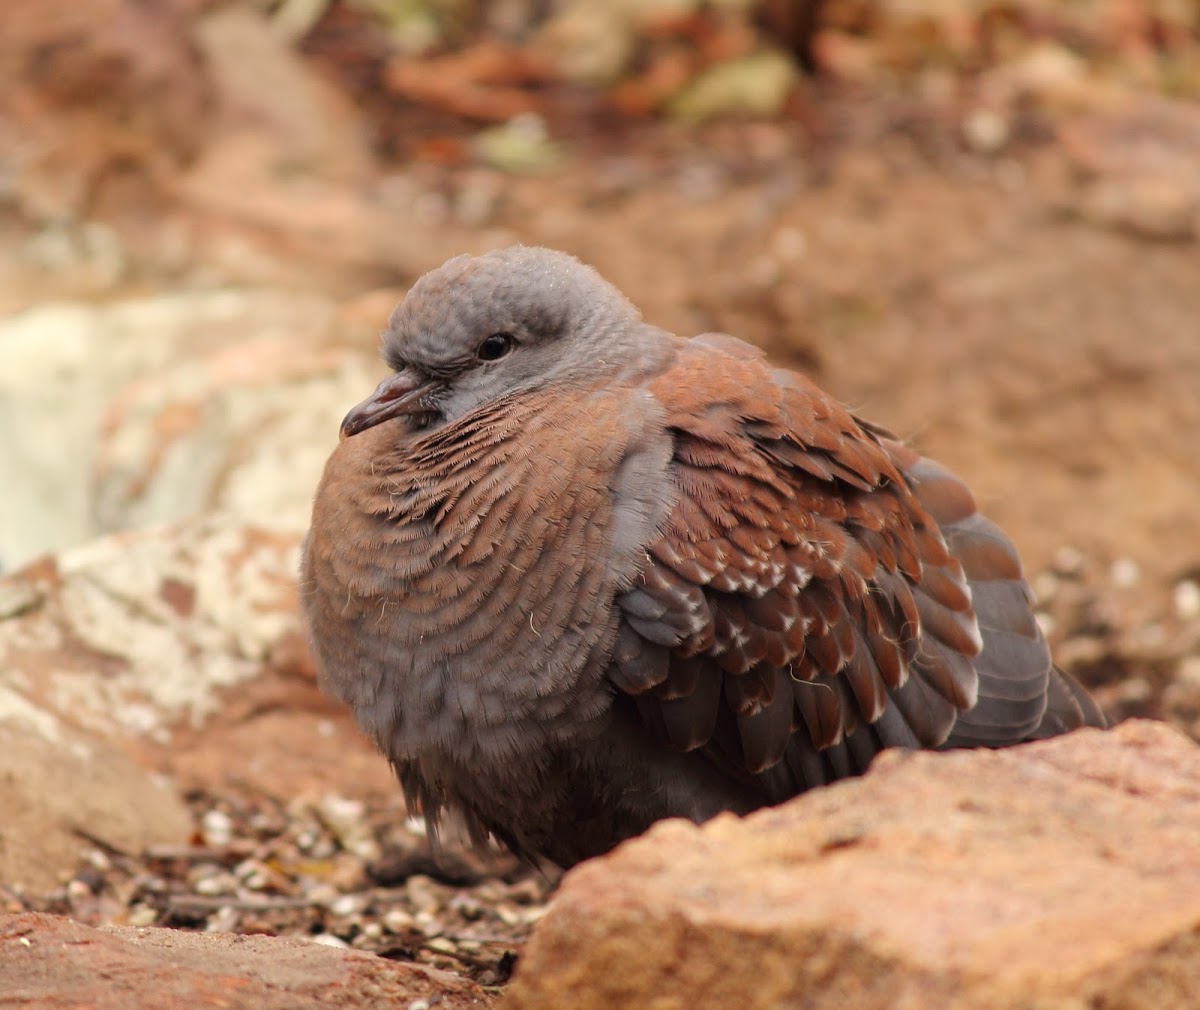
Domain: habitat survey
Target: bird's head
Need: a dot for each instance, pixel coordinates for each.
(482, 327)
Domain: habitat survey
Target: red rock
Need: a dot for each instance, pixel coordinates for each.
(1055, 875)
(49, 963)
(62, 790)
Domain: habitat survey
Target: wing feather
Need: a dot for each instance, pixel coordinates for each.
(819, 590)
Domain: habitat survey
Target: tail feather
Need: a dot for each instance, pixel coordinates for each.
(1068, 707)
(1021, 695)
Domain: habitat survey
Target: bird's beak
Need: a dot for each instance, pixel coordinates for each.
(399, 394)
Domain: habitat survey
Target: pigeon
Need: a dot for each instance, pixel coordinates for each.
(575, 574)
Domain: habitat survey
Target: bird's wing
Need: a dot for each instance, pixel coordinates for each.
(810, 596)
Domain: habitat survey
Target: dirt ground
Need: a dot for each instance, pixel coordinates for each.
(1025, 310)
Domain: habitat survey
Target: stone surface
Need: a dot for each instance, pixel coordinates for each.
(152, 409)
(61, 791)
(266, 88)
(245, 428)
(70, 74)
(181, 645)
(1138, 167)
(131, 634)
(47, 962)
(176, 650)
(1056, 875)
(756, 85)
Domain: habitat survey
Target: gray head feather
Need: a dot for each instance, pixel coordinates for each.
(564, 320)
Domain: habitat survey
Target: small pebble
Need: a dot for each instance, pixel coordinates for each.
(329, 940)
(1150, 637)
(224, 920)
(1189, 671)
(526, 892)
(1045, 586)
(216, 883)
(306, 840)
(1135, 689)
(78, 889)
(92, 877)
(322, 894)
(510, 916)
(216, 827)
(1124, 573)
(1068, 561)
(986, 131)
(467, 906)
(252, 874)
(1182, 699)
(97, 860)
(348, 904)
(142, 915)
(423, 893)
(441, 945)
(346, 818)
(1186, 599)
(397, 920)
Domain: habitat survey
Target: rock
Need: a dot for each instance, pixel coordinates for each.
(521, 146)
(845, 56)
(245, 428)
(588, 43)
(1058, 875)
(181, 646)
(267, 89)
(756, 85)
(62, 791)
(70, 76)
(51, 963)
(1050, 74)
(1152, 207)
(1138, 167)
(254, 221)
(70, 371)
(986, 131)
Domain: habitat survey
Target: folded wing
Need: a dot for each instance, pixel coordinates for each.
(821, 591)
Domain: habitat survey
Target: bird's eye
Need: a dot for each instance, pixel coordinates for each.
(495, 347)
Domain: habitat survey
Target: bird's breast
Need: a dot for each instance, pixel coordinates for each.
(459, 586)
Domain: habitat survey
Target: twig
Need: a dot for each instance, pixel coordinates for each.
(241, 903)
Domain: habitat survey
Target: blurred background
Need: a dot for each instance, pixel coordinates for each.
(976, 221)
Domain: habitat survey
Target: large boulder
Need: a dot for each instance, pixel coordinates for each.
(1056, 875)
(175, 650)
